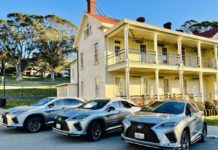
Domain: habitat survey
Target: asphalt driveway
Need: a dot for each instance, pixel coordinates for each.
(17, 139)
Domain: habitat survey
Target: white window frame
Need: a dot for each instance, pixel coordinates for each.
(88, 31)
(96, 53)
(81, 60)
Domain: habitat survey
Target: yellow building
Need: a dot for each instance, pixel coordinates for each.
(131, 59)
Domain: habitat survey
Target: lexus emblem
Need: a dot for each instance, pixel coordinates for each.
(140, 126)
(59, 118)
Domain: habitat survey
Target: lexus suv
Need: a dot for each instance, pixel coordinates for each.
(36, 116)
(94, 118)
(166, 125)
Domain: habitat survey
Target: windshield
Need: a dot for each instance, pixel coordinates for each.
(152, 106)
(170, 108)
(94, 104)
(43, 101)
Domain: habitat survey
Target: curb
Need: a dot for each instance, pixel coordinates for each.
(212, 136)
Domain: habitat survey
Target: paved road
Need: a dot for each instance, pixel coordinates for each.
(17, 139)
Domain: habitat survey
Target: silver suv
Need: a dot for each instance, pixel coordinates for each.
(36, 116)
(94, 118)
(166, 125)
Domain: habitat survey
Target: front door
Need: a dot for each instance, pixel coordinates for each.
(164, 56)
(117, 49)
(143, 53)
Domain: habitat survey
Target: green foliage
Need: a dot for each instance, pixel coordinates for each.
(48, 39)
(210, 104)
(192, 26)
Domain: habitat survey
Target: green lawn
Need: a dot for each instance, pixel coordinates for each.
(32, 82)
(29, 87)
(30, 92)
(213, 120)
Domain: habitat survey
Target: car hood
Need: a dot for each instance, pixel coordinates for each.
(22, 109)
(151, 117)
(77, 112)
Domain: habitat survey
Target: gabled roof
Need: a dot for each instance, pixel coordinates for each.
(209, 34)
(105, 19)
(101, 20)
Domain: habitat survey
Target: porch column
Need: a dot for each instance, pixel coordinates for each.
(181, 72)
(127, 68)
(216, 53)
(216, 63)
(157, 83)
(156, 47)
(216, 87)
(199, 54)
(107, 49)
(201, 85)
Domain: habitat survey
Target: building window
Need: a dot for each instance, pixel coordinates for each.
(119, 87)
(88, 31)
(82, 88)
(144, 83)
(143, 52)
(97, 87)
(164, 56)
(81, 60)
(96, 59)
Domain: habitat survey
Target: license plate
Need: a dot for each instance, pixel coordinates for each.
(139, 136)
(58, 126)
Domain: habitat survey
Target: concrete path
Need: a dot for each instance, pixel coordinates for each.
(212, 131)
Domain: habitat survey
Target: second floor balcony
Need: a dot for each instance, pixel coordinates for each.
(149, 57)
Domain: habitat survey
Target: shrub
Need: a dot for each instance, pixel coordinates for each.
(210, 104)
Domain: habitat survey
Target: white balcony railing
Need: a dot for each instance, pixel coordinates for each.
(149, 57)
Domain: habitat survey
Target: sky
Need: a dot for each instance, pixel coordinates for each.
(156, 12)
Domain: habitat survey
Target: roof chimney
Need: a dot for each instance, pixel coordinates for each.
(140, 19)
(167, 25)
(91, 6)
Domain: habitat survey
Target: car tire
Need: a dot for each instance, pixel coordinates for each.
(95, 131)
(33, 124)
(185, 140)
(204, 134)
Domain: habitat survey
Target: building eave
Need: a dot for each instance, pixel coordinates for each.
(160, 30)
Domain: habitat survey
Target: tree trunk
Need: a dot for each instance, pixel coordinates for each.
(19, 72)
(52, 75)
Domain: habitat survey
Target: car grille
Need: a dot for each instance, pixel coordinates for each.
(5, 121)
(144, 128)
(61, 120)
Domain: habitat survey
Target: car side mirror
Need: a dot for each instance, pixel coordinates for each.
(51, 105)
(111, 108)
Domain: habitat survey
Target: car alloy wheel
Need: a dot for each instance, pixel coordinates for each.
(185, 142)
(34, 124)
(95, 131)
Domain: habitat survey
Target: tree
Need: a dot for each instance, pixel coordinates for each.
(55, 41)
(17, 39)
(187, 26)
(192, 26)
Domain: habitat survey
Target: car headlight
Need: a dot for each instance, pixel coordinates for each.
(17, 113)
(79, 117)
(127, 121)
(167, 125)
